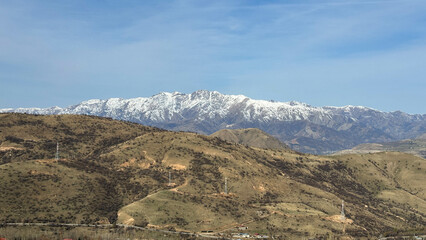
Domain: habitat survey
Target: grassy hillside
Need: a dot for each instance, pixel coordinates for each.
(413, 146)
(78, 187)
(251, 137)
(396, 177)
(112, 171)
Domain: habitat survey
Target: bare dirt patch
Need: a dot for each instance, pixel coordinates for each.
(177, 166)
(134, 162)
(339, 219)
(5, 149)
(260, 188)
(52, 160)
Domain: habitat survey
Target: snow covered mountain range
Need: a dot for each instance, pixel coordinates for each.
(301, 126)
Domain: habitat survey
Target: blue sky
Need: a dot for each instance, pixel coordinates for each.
(334, 52)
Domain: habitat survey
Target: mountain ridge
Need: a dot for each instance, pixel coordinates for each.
(303, 127)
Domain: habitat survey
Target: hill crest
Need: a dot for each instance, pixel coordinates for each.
(251, 137)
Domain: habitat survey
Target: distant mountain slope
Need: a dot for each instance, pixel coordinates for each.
(421, 137)
(114, 171)
(303, 127)
(415, 146)
(252, 137)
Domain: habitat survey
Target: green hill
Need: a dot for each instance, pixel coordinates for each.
(112, 171)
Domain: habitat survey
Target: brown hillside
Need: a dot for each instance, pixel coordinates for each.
(112, 171)
(251, 137)
(413, 146)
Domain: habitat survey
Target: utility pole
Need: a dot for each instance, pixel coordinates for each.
(226, 185)
(170, 178)
(57, 152)
(342, 213)
(55, 173)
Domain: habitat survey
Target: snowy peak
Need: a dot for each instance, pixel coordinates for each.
(202, 103)
(205, 103)
(300, 125)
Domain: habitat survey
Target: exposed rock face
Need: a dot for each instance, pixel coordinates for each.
(303, 127)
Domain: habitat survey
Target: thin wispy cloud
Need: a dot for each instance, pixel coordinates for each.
(293, 50)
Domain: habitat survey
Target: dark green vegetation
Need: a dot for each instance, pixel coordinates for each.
(112, 171)
(251, 137)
